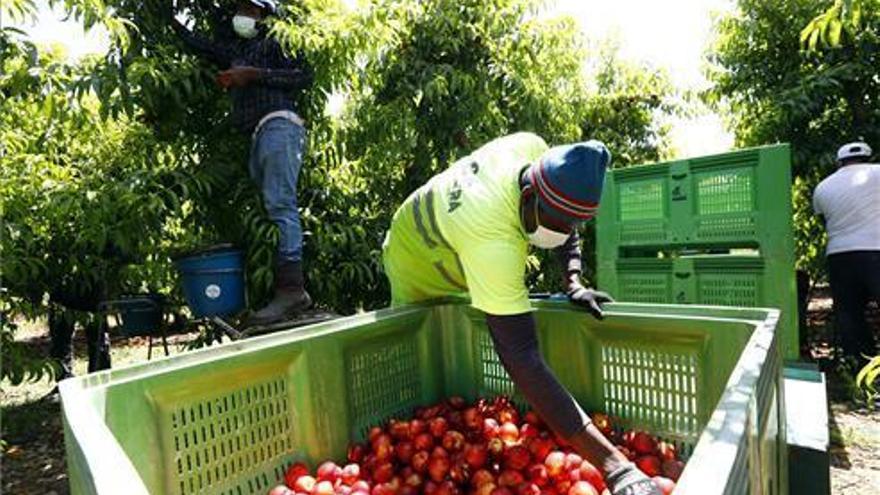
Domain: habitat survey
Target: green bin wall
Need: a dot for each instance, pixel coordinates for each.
(227, 420)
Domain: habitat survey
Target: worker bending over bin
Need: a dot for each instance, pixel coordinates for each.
(467, 232)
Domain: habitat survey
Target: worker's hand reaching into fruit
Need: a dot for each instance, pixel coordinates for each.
(629, 480)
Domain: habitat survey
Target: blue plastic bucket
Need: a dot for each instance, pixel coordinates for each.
(213, 281)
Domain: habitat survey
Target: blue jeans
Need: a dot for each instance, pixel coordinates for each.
(275, 162)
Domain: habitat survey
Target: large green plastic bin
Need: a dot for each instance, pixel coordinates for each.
(228, 419)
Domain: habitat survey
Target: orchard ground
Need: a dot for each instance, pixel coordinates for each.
(33, 449)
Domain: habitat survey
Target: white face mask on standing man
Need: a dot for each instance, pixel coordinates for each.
(244, 26)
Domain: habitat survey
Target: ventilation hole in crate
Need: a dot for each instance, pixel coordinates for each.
(729, 289)
(643, 231)
(644, 288)
(493, 379)
(641, 200)
(228, 443)
(726, 191)
(654, 388)
(726, 227)
(383, 380)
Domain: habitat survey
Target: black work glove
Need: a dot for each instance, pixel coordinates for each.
(588, 299)
(629, 480)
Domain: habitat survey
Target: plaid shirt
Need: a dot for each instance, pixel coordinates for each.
(272, 92)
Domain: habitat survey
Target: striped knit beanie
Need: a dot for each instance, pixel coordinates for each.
(569, 180)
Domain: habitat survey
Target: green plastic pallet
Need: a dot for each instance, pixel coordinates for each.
(228, 419)
(742, 198)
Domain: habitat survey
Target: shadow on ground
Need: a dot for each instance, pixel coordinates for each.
(33, 461)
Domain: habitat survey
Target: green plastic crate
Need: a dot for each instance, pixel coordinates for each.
(228, 419)
(742, 198)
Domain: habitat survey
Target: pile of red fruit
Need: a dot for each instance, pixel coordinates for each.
(486, 448)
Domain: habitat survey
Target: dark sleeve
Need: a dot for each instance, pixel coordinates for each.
(516, 343)
(202, 46)
(286, 73)
(218, 15)
(569, 256)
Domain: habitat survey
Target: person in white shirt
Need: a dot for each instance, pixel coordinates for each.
(849, 201)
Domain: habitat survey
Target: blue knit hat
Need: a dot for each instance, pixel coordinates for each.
(569, 179)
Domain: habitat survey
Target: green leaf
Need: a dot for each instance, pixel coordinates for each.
(867, 376)
(862, 378)
(834, 29)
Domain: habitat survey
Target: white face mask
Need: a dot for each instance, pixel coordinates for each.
(244, 26)
(545, 238)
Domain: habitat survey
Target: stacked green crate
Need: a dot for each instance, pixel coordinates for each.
(659, 225)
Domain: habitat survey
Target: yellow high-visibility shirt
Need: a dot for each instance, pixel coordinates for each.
(460, 234)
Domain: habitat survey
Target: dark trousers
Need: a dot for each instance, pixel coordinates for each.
(61, 330)
(855, 280)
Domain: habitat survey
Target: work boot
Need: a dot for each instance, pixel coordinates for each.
(290, 297)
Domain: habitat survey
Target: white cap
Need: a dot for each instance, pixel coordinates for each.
(857, 149)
